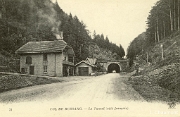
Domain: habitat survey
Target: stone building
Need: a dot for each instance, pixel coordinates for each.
(47, 58)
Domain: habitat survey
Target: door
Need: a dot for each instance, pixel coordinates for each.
(31, 72)
(65, 70)
(71, 71)
(83, 71)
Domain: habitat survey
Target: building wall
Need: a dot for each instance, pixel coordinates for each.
(54, 64)
(51, 70)
(84, 65)
(37, 60)
(59, 65)
(65, 56)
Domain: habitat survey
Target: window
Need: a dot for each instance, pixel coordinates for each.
(44, 57)
(28, 60)
(45, 69)
(23, 70)
(26, 70)
(70, 59)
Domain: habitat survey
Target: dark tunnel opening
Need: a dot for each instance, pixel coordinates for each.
(113, 67)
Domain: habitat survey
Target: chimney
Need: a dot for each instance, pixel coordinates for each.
(59, 36)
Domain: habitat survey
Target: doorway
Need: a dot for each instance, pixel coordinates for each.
(31, 72)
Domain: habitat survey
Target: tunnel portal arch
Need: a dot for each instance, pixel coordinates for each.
(113, 67)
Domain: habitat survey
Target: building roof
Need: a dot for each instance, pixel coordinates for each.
(89, 61)
(86, 62)
(43, 47)
(69, 50)
(92, 61)
(68, 63)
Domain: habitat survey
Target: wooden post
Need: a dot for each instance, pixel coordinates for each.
(147, 57)
(162, 52)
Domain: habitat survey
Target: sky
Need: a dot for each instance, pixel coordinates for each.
(120, 20)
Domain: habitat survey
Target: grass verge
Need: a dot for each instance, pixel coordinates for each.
(151, 91)
(10, 82)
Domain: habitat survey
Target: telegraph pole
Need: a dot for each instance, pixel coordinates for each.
(162, 52)
(147, 57)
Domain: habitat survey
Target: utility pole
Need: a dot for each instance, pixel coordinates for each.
(147, 57)
(162, 52)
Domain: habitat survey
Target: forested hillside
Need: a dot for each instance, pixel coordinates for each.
(22, 21)
(163, 22)
(157, 51)
(136, 47)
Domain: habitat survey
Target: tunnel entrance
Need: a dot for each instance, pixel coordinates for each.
(113, 67)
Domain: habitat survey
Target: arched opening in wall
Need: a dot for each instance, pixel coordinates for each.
(113, 68)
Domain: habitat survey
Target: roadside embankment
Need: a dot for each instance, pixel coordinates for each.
(160, 78)
(11, 81)
(160, 84)
(16, 81)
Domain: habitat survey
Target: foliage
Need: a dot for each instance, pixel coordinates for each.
(162, 22)
(161, 49)
(103, 42)
(22, 21)
(136, 47)
(164, 19)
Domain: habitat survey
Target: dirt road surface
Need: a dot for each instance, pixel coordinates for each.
(101, 96)
(109, 87)
(106, 87)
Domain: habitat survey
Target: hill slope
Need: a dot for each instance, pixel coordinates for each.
(22, 21)
(160, 78)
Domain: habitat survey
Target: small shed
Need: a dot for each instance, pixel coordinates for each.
(85, 67)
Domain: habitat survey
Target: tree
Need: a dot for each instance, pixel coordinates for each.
(22, 21)
(121, 52)
(136, 47)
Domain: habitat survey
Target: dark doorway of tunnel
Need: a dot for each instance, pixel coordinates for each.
(113, 67)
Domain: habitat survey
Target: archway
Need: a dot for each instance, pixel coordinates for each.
(113, 67)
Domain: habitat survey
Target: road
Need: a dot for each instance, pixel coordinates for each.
(108, 96)
(109, 87)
